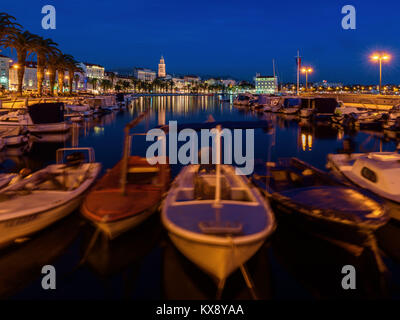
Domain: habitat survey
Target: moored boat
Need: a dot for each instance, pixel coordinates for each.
(128, 193)
(47, 195)
(304, 193)
(378, 172)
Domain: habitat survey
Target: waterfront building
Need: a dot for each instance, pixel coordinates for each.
(30, 76)
(179, 83)
(228, 82)
(92, 70)
(4, 71)
(144, 74)
(326, 84)
(161, 68)
(266, 84)
(191, 79)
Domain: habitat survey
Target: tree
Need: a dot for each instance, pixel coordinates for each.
(93, 82)
(7, 25)
(43, 48)
(105, 84)
(72, 66)
(23, 44)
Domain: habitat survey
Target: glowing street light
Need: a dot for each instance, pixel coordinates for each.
(306, 70)
(379, 57)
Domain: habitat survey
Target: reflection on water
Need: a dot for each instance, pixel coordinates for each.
(144, 264)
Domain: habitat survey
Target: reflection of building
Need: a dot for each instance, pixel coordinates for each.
(4, 71)
(144, 74)
(161, 68)
(266, 84)
(30, 77)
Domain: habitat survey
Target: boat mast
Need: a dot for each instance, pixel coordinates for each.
(298, 71)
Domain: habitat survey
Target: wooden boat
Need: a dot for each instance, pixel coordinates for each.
(216, 218)
(128, 193)
(378, 172)
(47, 195)
(305, 193)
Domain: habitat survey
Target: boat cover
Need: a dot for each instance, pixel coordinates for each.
(325, 105)
(41, 113)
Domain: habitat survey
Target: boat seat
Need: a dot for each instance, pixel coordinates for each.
(204, 187)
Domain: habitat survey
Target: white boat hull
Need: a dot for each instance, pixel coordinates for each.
(219, 261)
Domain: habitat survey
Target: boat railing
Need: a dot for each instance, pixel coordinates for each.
(60, 153)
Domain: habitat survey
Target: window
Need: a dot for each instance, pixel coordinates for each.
(369, 175)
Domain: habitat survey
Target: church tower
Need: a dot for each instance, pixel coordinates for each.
(161, 68)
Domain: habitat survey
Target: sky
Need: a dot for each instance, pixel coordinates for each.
(224, 38)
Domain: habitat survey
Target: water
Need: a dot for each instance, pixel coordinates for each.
(143, 264)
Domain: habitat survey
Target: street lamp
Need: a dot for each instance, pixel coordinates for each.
(379, 57)
(306, 70)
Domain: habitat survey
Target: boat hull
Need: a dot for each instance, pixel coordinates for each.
(10, 230)
(219, 261)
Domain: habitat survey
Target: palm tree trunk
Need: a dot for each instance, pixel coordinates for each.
(20, 74)
(40, 73)
(61, 74)
(52, 80)
(70, 80)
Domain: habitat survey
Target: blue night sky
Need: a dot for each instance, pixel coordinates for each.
(220, 38)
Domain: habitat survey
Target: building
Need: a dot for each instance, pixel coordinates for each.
(4, 71)
(92, 70)
(266, 84)
(179, 83)
(190, 79)
(161, 68)
(144, 74)
(228, 82)
(30, 76)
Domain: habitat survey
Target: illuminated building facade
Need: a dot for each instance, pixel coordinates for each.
(266, 84)
(161, 68)
(144, 74)
(30, 76)
(4, 71)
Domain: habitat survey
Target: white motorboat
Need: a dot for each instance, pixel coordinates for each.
(378, 172)
(47, 195)
(38, 118)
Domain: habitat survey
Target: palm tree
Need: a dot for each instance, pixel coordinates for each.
(72, 66)
(93, 82)
(52, 63)
(22, 43)
(126, 85)
(77, 78)
(105, 84)
(62, 66)
(112, 78)
(43, 48)
(7, 25)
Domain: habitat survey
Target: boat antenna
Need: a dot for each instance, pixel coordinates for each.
(273, 66)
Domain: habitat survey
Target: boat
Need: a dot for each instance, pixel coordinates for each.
(14, 137)
(128, 193)
(306, 108)
(290, 105)
(216, 218)
(243, 99)
(47, 195)
(309, 196)
(6, 178)
(37, 118)
(378, 172)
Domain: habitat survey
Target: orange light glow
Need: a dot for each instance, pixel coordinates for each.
(380, 56)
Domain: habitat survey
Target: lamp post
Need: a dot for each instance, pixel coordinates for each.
(306, 70)
(379, 57)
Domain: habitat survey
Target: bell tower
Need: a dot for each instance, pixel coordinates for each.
(161, 68)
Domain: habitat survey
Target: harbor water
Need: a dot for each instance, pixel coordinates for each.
(143, 264)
